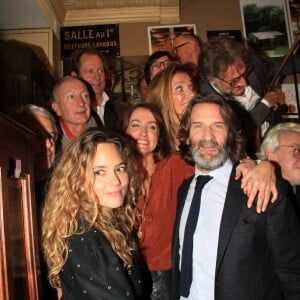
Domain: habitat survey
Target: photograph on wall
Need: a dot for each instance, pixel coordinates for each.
(265, 25)
(291, 98)
(294, 18)
(161, 37)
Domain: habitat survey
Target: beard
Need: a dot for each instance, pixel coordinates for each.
(212, 162)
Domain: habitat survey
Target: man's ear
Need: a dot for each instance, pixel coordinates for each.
(56, 108)
(188, 141)
(190, 47)
(74, 74)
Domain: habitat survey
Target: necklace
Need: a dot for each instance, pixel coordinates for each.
(145, 193)
(145, 189)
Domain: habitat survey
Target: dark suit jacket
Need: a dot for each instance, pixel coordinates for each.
(297, 196)
(94, 271)
(114, 112)
(258, 254)
(294, 194)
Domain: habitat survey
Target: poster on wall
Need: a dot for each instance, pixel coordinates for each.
(294, 18)
(266, 26)
(290, 97)
(161, 37)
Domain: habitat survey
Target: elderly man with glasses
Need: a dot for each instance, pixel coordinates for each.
(282, 145)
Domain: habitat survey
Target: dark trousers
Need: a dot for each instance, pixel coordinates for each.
(161, 282)
(156, 284)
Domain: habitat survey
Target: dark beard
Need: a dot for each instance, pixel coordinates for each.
(211, 163)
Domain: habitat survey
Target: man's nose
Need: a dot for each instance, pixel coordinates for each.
(80, 101)
(242, 81)
(96, 75)
(207, 133)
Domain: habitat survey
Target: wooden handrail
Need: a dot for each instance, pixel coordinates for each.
(282, 65)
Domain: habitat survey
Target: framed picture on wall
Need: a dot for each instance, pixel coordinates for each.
(294, 18)
(266, 25)
(216, 34)
(289, 90)
(161, 37)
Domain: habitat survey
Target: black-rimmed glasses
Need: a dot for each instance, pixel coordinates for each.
(296, 150)
(157, 65)
(175, 49)
(234, 81)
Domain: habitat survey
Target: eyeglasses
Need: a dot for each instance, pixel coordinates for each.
(296, 150)
(175, 49)
(233, 82)
(157, 65)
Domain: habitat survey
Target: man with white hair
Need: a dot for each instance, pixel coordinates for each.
(282, 145)
(39, 120)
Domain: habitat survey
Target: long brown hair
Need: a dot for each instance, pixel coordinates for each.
(68, 206)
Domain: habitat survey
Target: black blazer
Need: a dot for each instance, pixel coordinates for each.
(114, 112)
(258, 254)
(94, 271)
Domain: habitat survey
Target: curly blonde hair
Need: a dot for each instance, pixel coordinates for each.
(160, 94)
(68, 206)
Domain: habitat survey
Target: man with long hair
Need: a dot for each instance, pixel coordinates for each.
(221, 248)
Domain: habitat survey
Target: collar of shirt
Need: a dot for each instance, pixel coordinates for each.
(221, 174)
(249, 99)
(67, 135)
(105, 98)
(66, 132)
(100, 109)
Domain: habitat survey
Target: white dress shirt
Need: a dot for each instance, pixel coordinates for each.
(206, 235)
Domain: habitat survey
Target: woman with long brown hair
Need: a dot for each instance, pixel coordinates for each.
(88, 220)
